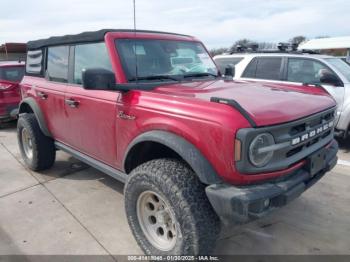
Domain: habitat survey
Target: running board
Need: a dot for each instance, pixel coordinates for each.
(121, 176)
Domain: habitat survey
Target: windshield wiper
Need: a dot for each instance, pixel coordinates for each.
(154, 77)
(199, 75)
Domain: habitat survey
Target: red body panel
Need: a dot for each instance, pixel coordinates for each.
(91, 127)
(267, 104)
(209, 128)
(52, 107)
(183, 109)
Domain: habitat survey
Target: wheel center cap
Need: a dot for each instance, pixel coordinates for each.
(162, 217)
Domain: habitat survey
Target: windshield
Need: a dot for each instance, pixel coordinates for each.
(164, 59)
(341, 66)
(14, 74)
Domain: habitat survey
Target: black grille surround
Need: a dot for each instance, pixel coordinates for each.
(285, 153)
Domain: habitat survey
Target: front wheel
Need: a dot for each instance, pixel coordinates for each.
(168, 211)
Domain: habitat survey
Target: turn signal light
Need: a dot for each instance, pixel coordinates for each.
(238, 149)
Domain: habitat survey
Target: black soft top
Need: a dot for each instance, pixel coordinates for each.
(85, 37)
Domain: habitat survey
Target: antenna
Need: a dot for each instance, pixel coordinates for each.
(135, 45)
(134, 2)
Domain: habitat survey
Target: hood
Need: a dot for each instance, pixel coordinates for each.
(266, 103)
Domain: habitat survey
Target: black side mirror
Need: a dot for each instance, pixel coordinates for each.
(229, 71)
(330, 78)
(98, 79)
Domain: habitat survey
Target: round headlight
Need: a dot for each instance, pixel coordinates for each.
(257, 157)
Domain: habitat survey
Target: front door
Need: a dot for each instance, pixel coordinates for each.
(305, 70)
(91, 114)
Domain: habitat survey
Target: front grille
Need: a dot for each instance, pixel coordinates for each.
(310, 124)
(297, 129)
(294, 151)
(295, 140)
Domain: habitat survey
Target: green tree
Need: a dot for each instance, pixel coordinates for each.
(298, 39)
(242, 42)
(218, 51)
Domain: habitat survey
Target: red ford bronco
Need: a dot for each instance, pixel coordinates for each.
(195, 149)
(11, 73)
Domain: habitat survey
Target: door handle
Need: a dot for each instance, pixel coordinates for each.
(42, 95)
(71, 102)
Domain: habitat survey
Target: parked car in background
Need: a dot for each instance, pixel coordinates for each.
(332, 73)
(11, 73)
(151, 110)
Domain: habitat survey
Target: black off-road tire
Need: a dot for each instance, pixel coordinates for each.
(177, 184)
(43, 148)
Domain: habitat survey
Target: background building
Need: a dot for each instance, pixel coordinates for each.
(13, 51)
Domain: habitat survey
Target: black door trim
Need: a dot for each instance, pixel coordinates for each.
(119, 175)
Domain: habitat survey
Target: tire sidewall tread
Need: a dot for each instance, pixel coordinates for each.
(44, 152)
(181, 188)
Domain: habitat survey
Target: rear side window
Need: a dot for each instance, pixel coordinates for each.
(13, 74)
(57, 64)
(34, 63)
(222, 63)
(264, 68)
(90, 56)
(268, 68)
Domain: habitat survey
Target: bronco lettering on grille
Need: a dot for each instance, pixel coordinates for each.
(312, 133)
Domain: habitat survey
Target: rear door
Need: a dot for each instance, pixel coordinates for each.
(265, 68)
(48, 84)
(91, 114)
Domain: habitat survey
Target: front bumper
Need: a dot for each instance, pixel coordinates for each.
(246, 203)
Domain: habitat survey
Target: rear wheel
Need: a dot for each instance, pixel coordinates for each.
(168, 211)
(37, 150)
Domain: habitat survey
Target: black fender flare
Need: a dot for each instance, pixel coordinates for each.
(37, 112)
(183, 148)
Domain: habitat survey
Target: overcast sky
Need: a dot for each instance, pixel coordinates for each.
(218, 23)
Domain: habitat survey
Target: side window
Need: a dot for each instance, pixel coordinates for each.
(222, 63)
(90, 56)
(305, 70)
(269, 68)
(251, 69)
(57, 63)
(34, 63)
